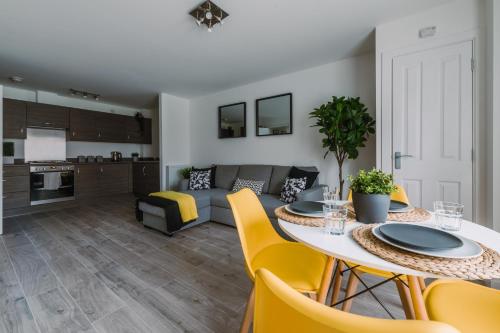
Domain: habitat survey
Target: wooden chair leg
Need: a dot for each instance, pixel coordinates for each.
(417, 298)
(421, 282)
(352, 286)
(404, 295)
(248, 317)
(325, 281)
(337, 282)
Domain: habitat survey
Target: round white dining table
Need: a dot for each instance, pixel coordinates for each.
(345, 248)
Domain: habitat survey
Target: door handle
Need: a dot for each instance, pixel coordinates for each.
(22, 130)
(397, 159)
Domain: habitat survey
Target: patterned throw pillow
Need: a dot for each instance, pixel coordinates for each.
(291, 187)
(254, 185)
(199, 180)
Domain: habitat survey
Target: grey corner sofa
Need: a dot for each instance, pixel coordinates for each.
(213, 206)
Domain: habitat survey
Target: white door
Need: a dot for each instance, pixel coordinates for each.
(432, 125)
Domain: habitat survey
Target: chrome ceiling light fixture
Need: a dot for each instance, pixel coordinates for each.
(84, 94)
(209, 14)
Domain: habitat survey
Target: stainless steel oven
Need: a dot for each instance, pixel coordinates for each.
(51, 183)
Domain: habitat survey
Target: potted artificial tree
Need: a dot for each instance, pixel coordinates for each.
(8, 153)
(371, 195)
(346, 125)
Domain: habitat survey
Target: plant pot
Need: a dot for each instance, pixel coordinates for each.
(8, 160)
(183, 184)
(371, 208)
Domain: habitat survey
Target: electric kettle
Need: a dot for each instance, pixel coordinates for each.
(116, 156)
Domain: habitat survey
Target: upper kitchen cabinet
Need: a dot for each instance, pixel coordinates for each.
(47, 116)
(139, 131)
(83, 125)
(14, 119)
(112, 127)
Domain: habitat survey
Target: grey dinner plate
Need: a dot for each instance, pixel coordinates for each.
(308, 207)
(420, 237)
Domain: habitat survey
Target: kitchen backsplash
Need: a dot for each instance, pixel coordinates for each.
(73, 149)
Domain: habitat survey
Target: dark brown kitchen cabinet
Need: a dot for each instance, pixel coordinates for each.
(93, 180)
(86, 181)
(14, 119)
(16, 186)
(146, 177)
(112, 127)
(83, 125)
(47, 116)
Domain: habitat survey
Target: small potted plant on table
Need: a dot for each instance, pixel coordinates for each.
(371, 195)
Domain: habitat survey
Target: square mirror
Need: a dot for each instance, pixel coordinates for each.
(274, 115)
(233, 120)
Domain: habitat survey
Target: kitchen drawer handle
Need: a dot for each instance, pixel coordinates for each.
(144, 170)
(4, 197)
(102, 170)
(48, 123)
(4, 180)
(78, 170)
(99, 135)
(21, 130)
(74, 133)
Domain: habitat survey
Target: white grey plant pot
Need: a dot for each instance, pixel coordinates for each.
(8, 160)
(371, 208)
(183, 184)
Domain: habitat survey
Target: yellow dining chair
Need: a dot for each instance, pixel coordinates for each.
(469, 307)
(299, 266)
(279, 308)
(352, 283)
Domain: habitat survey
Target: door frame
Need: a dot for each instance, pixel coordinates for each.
(385, 108)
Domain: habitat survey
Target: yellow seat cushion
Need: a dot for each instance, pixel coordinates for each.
(299, 266)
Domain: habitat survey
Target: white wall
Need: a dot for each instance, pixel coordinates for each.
(310, 89)
(493, 107)
(73, 149)
(175, 137)
(453, 20)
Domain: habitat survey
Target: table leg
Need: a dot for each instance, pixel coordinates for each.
(417, 298)
(337, 282)
(325, 281)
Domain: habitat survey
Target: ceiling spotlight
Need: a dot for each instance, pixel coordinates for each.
(84, 94)
(209, 14)
(16, 79)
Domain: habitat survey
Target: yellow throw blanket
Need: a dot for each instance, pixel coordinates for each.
(187, 205)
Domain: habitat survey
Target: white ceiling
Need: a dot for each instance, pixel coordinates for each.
(129, 50)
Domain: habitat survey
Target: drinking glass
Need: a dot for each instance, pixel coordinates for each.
(448, 215)
(335, 217)
(329, 196)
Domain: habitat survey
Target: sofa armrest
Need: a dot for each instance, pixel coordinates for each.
(313, 194)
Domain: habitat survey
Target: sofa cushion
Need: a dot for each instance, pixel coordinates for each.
(218, 198)
(201, 197)
(225, 175)
(270, 203)
(256, 172)
(278, 179)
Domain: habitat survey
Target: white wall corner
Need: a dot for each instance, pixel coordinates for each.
(174, 137)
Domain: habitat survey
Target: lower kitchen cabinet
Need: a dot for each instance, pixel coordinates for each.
(16, 186)
(98, 179)
(146, 177)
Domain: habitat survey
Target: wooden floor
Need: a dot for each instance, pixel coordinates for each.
(95, 269)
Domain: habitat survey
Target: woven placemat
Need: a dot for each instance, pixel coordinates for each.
(285, 215)
(414, 215)
(486, 266)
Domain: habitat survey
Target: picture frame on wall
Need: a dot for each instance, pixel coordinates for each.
(233, 120)
(273, 115)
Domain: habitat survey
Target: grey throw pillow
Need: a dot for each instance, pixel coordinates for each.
(254, 185)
